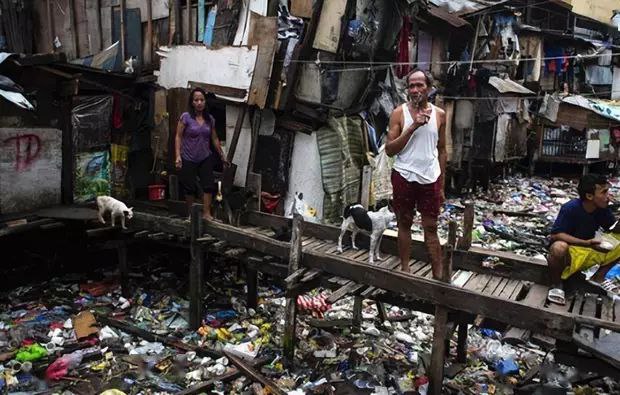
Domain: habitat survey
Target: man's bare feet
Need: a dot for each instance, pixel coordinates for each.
(404, 268)
(207, 217)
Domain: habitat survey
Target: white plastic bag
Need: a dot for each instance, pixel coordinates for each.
(381, 176)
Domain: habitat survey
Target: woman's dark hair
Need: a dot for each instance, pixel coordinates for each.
(190, 104)
(588, 184)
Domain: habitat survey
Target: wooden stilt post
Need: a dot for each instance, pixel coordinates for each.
(291, 303)
(468, 227)
(251, 274)
(357, 314)
(440, 327)
(123, 267)
(173, 187)
(195, 268)
(461, 347)
(381, 310)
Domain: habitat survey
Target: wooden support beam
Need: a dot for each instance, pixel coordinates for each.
(195, 269)
(557, 324)
(381, 311)
(188, 17)
(232, 374)
(237, 132)
(149, 32)
(461, 346)
(357, 314)
(219, 89)
(123, 267)
(50, 24)
(25, 227)
(249, 371)
(515, 266)
(251, 273)
(440, 329)
(152, 337)
(256, 122)
(155, 223)
(468, 226)
(173, 186)
(123, 30)
(290, 318)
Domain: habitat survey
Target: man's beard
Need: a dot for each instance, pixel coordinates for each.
(417, 99)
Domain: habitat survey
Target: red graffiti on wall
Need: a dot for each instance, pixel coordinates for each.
(27, 149)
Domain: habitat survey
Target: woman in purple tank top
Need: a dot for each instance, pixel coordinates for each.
(195, 142)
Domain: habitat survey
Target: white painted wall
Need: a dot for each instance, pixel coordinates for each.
(227, 66)
(30, 169)
(305, 174)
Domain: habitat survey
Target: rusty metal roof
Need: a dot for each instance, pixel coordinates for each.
(508, 86)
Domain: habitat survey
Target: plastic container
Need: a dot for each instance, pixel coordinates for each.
(157, 192)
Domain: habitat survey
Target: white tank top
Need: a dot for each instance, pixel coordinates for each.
(419, 160)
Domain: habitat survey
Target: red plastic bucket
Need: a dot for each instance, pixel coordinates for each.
(157, 192)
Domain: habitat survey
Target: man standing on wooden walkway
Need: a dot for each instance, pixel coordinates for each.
(417, 137)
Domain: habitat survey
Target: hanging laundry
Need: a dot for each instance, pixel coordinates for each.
(403, 48)
(531, 46)
(425, 48)
(598, 75)
(289, 26)
(556, 61)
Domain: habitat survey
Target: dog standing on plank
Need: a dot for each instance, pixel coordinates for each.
(116, 209)
(358, 219)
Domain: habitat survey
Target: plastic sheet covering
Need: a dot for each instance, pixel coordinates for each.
(341, 151)
(119, 170)
(92, 176)
(91, 120)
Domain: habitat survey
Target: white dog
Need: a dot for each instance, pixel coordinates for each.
(357, 219)
(116, 209)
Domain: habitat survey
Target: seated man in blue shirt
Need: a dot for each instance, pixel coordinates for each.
(574, 248)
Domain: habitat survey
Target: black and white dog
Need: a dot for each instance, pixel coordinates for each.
(357, 219)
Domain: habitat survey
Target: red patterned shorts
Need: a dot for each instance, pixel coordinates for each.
(409, 196)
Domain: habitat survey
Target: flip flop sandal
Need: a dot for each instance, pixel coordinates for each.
(557, 296)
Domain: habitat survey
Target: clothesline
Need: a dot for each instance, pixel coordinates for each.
(318, 62)
(518, 97)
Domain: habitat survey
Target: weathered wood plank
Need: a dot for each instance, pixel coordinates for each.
(253, 374)
(468, 226)
(556, 324)
(588, 310)
(196, 268)
(479, 283)
(516, 313)
(515, 266)
(491, 285)
(517, 291)
(508, 289)
(500, 287)
(440, 324)
(263, 32)
(294, 261)
(536, 297)
(157, 223)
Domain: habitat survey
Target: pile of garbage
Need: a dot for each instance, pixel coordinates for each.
(78, 335)
(516, 214)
